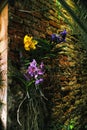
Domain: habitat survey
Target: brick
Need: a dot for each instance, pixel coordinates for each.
(54, 24)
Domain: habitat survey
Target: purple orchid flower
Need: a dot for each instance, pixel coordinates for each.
(55, 38)
(63, 34)
(38, 81)
(35, 72)
(32, 69)
(33, 63)
(41, 65)
(40, 70)
(59, 38)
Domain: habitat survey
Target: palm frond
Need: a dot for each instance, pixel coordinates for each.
(76, 18)
(73, 15)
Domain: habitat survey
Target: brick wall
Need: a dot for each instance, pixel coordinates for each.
(40, 18)
(37, 18)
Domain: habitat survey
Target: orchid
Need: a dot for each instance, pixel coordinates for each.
(38, 81)
(29, 43)
(55, 38)
(32, 69)
(35, 72)
(58, 38)
(63, 34)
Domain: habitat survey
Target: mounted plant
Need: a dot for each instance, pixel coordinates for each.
(40, 49)
(31, 77)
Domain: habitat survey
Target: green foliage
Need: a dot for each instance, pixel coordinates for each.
(79, 15)
(43, 50)
(74, 16)
(57, 126)
(20, 79)
(70, 126)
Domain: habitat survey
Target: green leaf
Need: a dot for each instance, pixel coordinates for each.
(71, 127)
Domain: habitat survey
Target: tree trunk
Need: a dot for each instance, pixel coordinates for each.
(3, 67)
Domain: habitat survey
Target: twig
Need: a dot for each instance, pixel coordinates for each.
(26, 11)
(32, 11)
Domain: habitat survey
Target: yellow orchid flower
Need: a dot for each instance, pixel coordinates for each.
(27, 39)
(32, 46)
(29, 43)
(35, 42)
